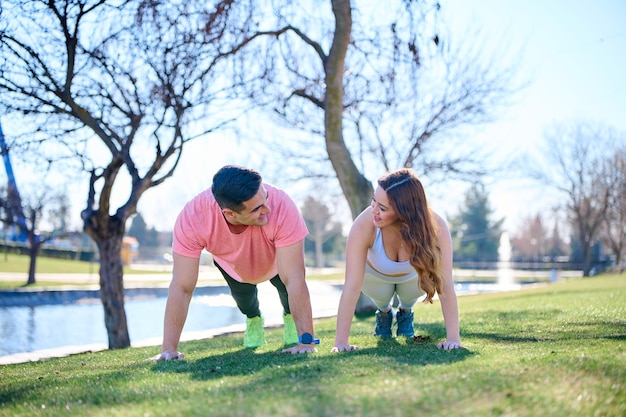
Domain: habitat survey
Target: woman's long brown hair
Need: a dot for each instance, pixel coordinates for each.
(418, 227)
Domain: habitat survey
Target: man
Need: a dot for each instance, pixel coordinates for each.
(255, 233)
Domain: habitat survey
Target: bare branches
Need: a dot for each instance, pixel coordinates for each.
(579, 162)
(123, 85)
(392, 87)
(613, 232)
(134, 81)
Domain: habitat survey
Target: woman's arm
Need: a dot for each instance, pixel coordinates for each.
(449, 306)
(360, 239)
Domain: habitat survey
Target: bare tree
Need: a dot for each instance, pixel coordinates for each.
(556, 246)
(43, 202)
(388, 88)
(577, 162)
(6, 217)
(38, 204)
(383, 90)
(119, 87)
(613, 233)
(25, 216)
(530, 242)
(321, 227)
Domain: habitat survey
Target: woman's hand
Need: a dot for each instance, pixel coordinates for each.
(449, 345)
(343, 347)
(167, 355)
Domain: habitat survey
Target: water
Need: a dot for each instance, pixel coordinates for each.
(505, 273)
(26, 329)
(29, 329)
(466, 288)
(81, 325)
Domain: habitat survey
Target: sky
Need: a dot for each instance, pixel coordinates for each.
(573, 53)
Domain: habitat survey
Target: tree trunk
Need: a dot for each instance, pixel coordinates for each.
(356, 188)
(112, 291)
(35, 245)
(586, 252)
(319, 250)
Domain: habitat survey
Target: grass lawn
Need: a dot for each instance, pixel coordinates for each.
(555, 350)
(12, 263)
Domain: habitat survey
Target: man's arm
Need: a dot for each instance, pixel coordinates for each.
(184, 279)
(290, 263)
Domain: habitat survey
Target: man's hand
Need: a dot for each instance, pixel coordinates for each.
(168, 355)
(300, 348)
(343, 347)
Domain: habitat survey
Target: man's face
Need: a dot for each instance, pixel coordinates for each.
(254, 213)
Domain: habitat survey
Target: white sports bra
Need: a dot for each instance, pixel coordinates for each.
(377, 259)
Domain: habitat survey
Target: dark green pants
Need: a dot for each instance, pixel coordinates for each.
(246, 295)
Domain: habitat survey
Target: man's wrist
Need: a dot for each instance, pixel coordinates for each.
(308, 339)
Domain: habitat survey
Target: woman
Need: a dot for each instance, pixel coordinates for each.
(398, 247)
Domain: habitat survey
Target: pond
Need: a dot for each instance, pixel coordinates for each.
(80, 325)
(49, 326)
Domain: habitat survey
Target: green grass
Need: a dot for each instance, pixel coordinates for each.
(19, 264)
(555, 350)
(10, 262)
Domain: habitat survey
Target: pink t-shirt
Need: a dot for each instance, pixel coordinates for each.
(249, 256)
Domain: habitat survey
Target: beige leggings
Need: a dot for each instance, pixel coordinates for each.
(382, 288)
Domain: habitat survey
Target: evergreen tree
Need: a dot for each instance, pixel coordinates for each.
(476, 235)
(138, 229)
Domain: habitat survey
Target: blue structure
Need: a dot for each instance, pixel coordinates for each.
(14, 201)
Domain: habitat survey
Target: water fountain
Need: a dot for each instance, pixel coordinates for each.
(505, 272)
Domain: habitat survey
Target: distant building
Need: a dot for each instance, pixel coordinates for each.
(130, 250)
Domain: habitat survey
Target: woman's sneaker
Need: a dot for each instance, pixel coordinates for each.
(383, 324)
(404, 320)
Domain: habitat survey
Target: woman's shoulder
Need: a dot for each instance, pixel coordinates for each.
(440, 223)
(365, 218)
(363, 226)
(437, 218)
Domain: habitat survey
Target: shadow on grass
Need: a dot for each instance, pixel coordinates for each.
(237, 361)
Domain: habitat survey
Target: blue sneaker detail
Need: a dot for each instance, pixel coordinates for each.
(383, 324)
(404, 320)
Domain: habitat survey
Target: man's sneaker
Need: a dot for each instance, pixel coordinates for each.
(291, 333)
(383, 324)
(255, 334)
(404, 320)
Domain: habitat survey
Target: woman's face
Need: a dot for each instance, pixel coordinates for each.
(383, 213)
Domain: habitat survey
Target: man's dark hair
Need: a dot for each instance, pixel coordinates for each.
(233, 184)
